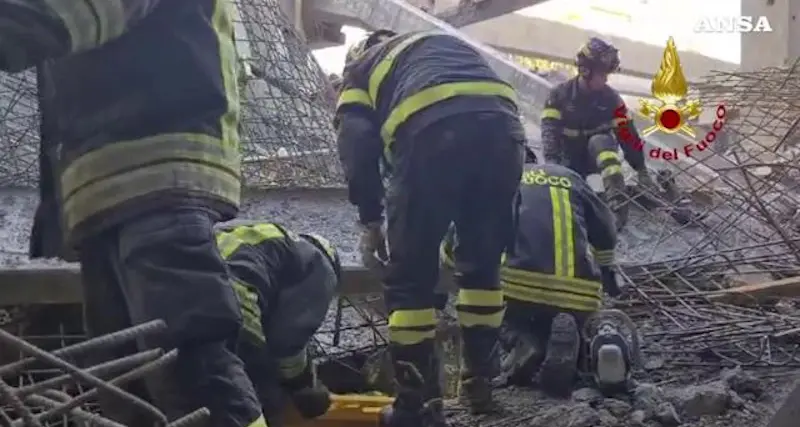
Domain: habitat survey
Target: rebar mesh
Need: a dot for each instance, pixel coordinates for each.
(286, 112)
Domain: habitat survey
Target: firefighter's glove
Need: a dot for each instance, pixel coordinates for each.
(312, 402)
(646, 181)
(610, 285)
(373, 246)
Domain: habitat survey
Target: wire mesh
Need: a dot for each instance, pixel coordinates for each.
(286, 132)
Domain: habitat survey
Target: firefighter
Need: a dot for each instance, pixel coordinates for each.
(429, 108)
(285, 283)
(580, 121)
(549, 293)
(142, 102)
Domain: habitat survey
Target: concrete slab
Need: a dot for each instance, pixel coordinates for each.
(555, 41)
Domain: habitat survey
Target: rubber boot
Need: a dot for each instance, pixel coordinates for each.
(29, 34)
(418, 402)
(560, 367)
(616, 198)
(610, 360)
(310, 397)
(480, 352)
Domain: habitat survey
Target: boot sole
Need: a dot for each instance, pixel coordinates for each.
(611, 367)
(560, 366)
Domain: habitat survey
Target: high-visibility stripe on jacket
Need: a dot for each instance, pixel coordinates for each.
(148, 122)
(564, 232)
(422, 76)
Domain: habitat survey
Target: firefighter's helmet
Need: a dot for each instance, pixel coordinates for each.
(597, 55)
(328, 249)
(362, 46)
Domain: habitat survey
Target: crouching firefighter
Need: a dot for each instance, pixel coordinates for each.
(144, 170)
(549, 293)
(428, 106)
(582, 119)
(284, 283)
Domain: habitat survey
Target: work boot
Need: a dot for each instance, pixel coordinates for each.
(560, 366)
(310, 397)
(480, 352)
(30, 34)
(610, 359)
(419, 395)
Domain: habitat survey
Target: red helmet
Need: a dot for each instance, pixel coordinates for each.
(597, 55)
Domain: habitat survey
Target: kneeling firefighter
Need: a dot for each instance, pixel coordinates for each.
(429, 106)
(285, 283)
(582, 119)
(550, 293)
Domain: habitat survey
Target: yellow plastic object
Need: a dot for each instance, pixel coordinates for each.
(349, 410)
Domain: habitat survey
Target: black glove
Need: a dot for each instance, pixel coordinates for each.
(610, 285)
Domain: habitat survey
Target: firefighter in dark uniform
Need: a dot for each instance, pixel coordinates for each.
(430, 107)
(141, 101)
(285, 283)
(580, 121)
(549, 293)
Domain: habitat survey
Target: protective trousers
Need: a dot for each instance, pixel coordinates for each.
(166, 266)
(464, 169)
(603, 149)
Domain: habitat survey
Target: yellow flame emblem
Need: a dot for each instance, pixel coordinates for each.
(669, 86)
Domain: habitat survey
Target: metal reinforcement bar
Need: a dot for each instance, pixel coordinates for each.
(38, 404)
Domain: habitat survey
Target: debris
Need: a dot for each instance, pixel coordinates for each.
(761, 292)
(700, 400)
(618, 408)
(741, 381)
(587, 395)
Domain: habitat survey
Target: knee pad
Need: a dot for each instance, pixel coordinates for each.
(602, 142)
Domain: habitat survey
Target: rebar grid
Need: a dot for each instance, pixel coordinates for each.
(286, 133)
(64, 392)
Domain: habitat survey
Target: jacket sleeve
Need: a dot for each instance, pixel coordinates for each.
(552, 128)
(360, 148)
(634, 154)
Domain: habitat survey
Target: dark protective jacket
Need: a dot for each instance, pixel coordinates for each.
(266, 259)
(564, 235)
(144, 111)
(400, 87)
(571, 116)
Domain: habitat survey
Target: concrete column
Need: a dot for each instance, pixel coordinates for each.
(782, 45)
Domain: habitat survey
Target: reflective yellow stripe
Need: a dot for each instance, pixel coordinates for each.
(354, 96)
(480, 298)
(427, 97)
(293, 366)
(565, 284)
(408, 327)
(259, 422)
(607, 155)
(251, 310)
(412, 318)
(384, 67)
(569, 231)
(229, 241)
(611, 170)
(110, 192)
(325, 244)
(551, 113)
(603, 257)
(410, 337)
(564, 301)
(558, 232)
(471, 320)
(90, 23)
(222, 22)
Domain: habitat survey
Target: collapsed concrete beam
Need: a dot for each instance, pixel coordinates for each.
(558, 42)
(475, 11)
